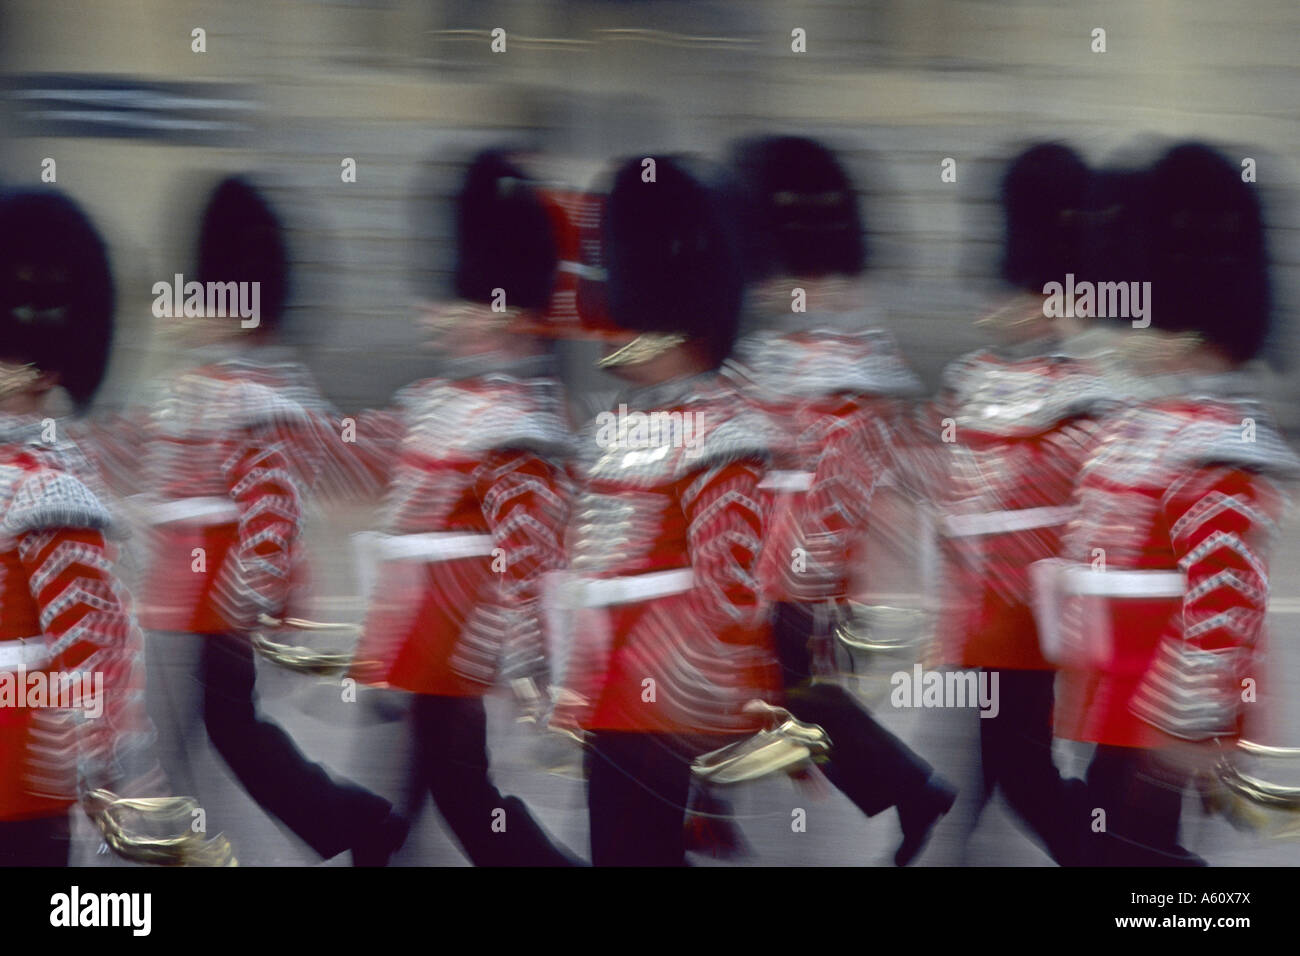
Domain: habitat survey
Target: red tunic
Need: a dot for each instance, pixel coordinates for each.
(477, 505)
(232, 450)
(834, 397)
(1021, 430)
(1177, 491)
(61, 611)
(670, 630)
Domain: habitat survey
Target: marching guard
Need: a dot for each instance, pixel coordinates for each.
(233, 447)
(671, 639)
(833, 382)
(69, 692)
(478, 499)
(1157, 609)
(1023, 416)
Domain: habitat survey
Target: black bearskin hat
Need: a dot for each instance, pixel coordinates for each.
(1043, 192)
(56, 290)
(241, 239)
(504, 236)
(1208, 261)
(800, 210)
(670, 254)
(1116, 236)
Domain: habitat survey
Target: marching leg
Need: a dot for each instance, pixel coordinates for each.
(637, 788)
(493, 830)
(329, 815)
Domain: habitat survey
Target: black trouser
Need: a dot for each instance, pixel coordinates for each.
(451, 758)
(330, 815)
(871, 766)
(1016, 755)
(1143, 801)
(638, 785)
(43, 841)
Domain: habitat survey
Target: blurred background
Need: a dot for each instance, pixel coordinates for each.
(137, 122)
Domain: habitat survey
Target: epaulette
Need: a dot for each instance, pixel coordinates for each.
(1251, 443)
(52, 499)
(489, 415)
(824, 362)
(1024, 397)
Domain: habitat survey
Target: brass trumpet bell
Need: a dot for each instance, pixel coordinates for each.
(873, 641)
(785, 747)
(305, 660)
(1253, 802)
(876, 629)
(156, 830)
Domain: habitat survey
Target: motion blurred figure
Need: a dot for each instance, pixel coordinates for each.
(672, 639)
(832, 381)
(1161, 603)
(1021, 416)
(63, 612)
(233, 447)
(478, 500)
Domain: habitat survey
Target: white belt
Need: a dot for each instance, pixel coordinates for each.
(1002, 522)
(787, 481)
(433, 546)
(29, 654)
(607, 592)
(1054, 580)
(161, 511)
(1090, 582)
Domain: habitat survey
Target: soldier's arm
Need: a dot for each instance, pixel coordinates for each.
(1219, 518)
(260, 481)
(525, 501)
(724, 535)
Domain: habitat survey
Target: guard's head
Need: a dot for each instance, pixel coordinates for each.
(800, 211)
(504, 237)
(670, 254)
(56, 290)
(1043, 193)
(241, 239)
(1208, 261)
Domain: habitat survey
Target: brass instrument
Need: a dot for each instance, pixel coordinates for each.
(1250, 802)
(306, 660)
(156, 830)
(786, 745)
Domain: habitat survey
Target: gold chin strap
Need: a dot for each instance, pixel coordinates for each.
(16, 378)
(643, 348)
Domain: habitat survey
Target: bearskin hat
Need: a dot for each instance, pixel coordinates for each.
(1116, 236)
(241, 239)
(1043, 192)
(504, 236)
(1208, 261)
(670, 253)
(56, 290)
(800, 211)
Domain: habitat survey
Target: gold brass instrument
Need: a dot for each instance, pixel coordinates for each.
(786, 745)
(305, 660)
(879, 640)
(156, 830)
(1252, 802)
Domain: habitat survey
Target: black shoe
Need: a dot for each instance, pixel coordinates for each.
(382, 842)
(919, 815)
